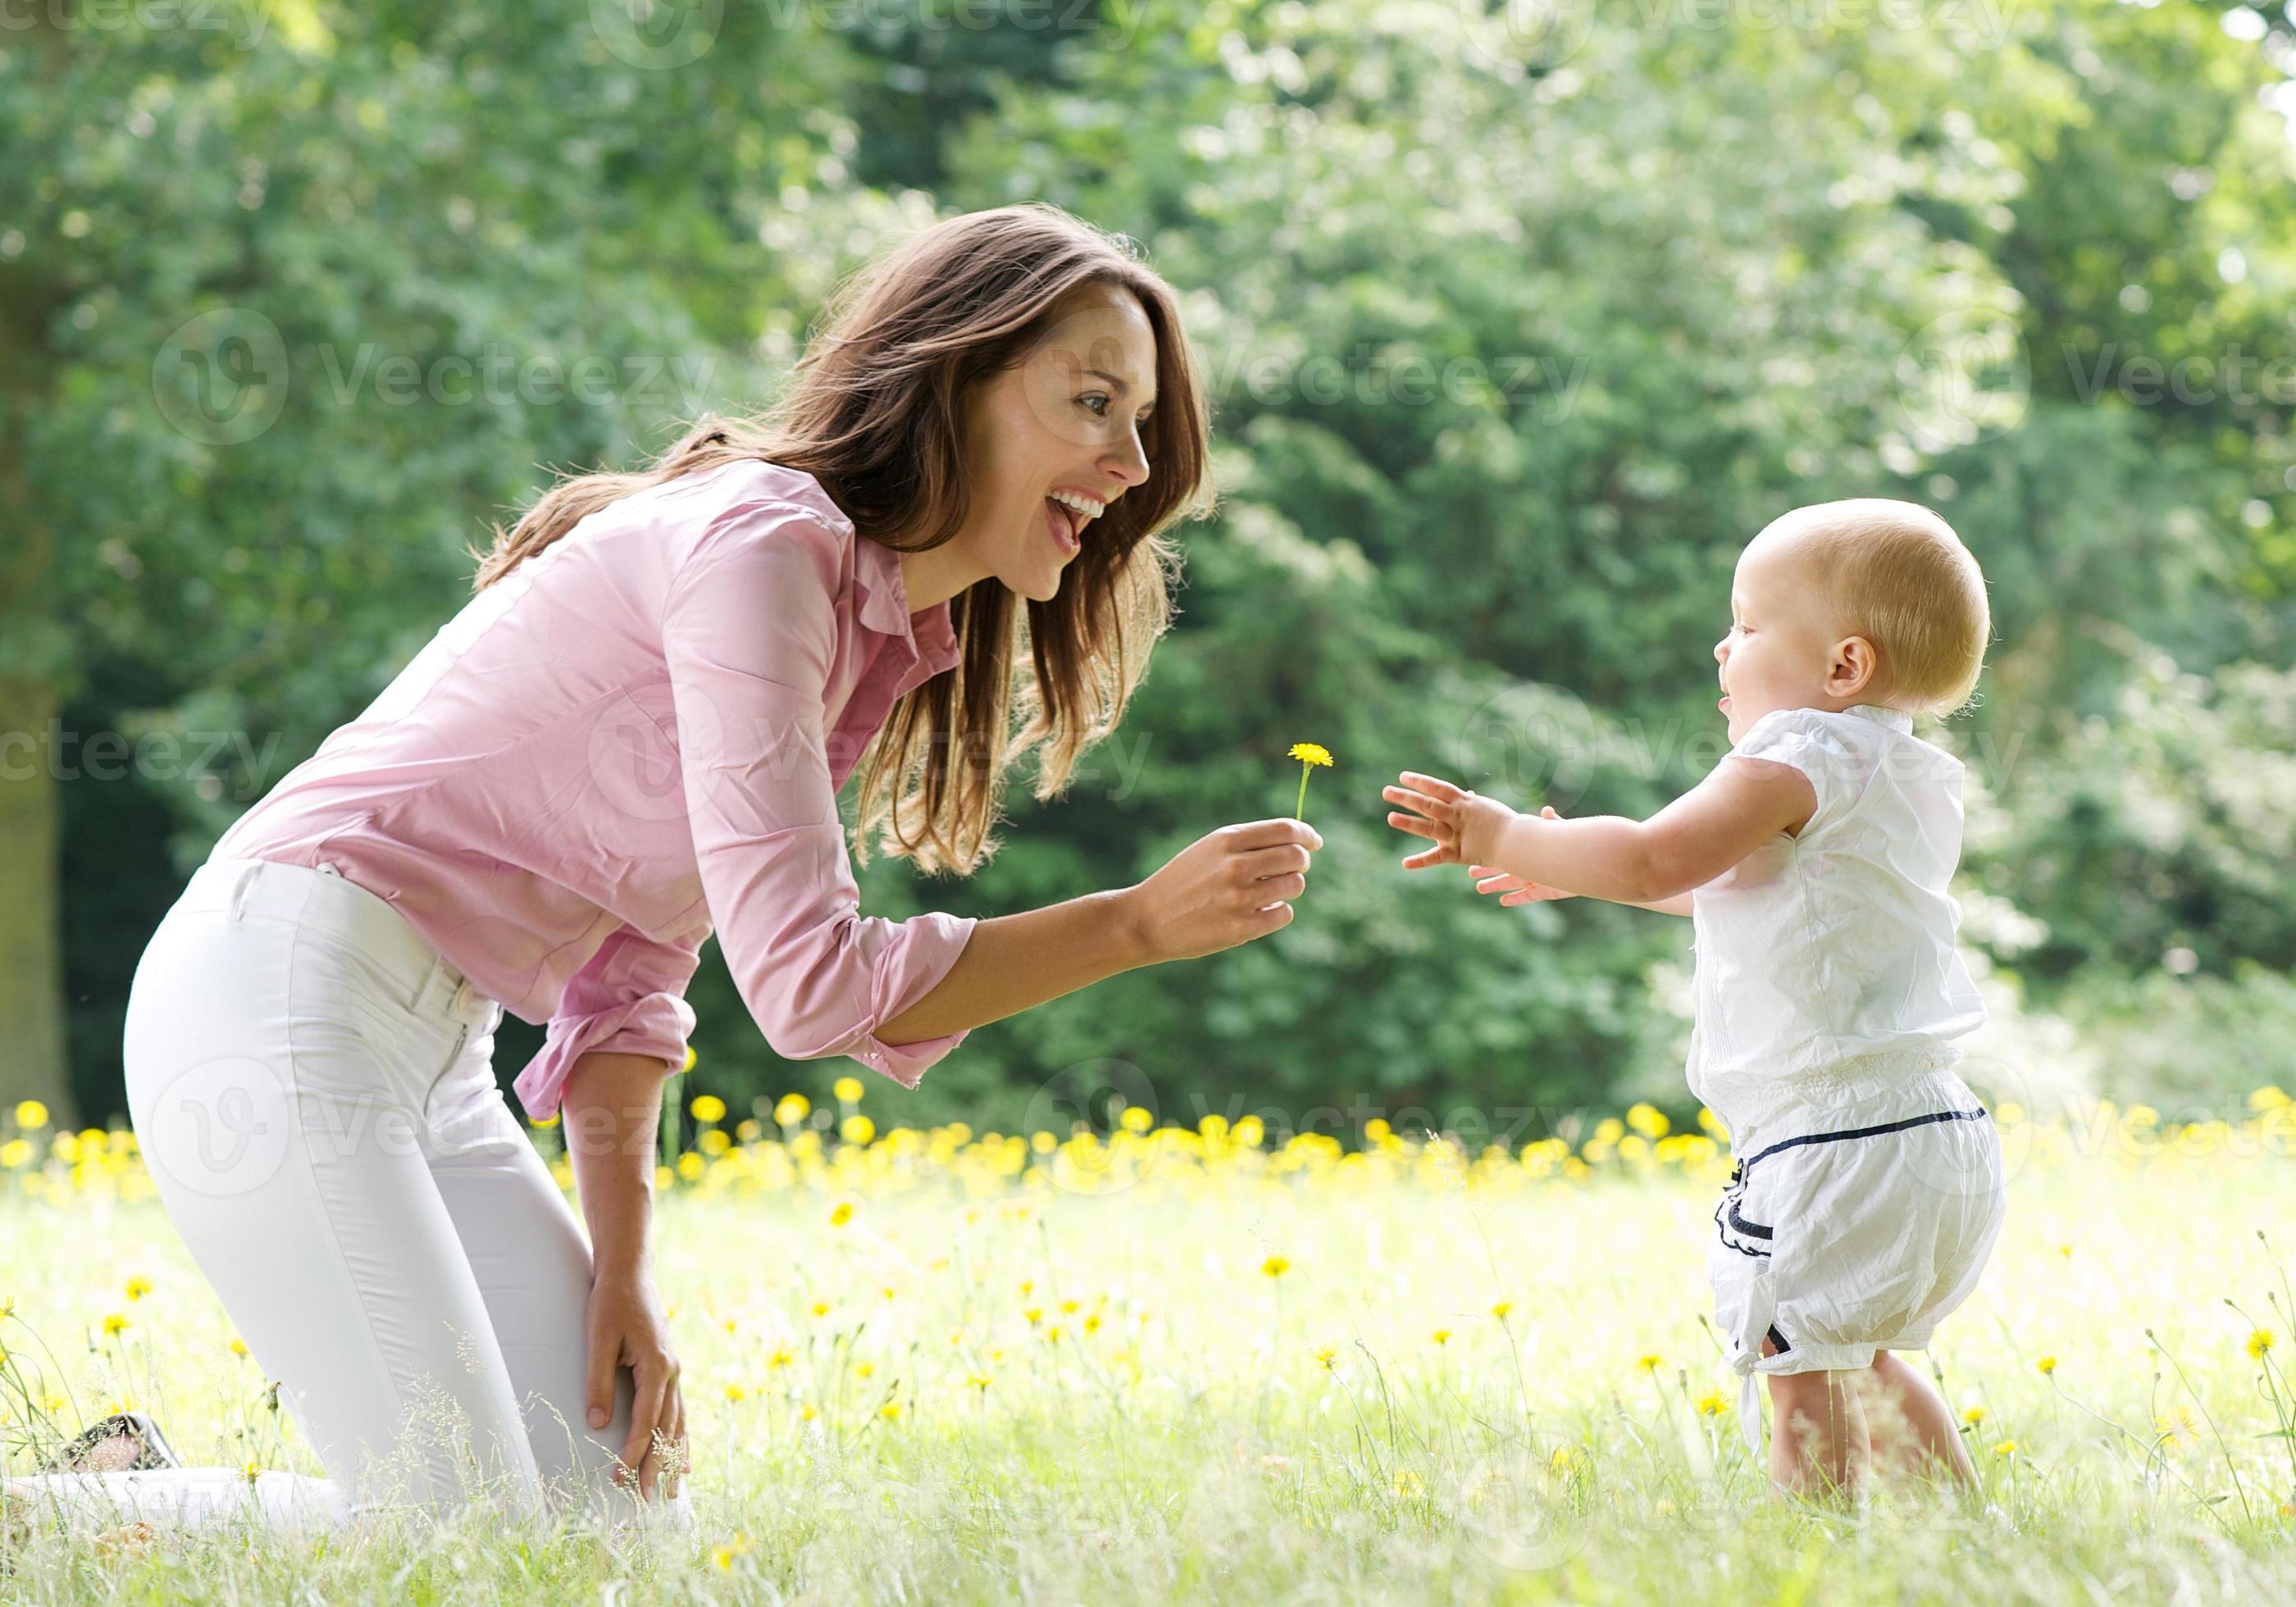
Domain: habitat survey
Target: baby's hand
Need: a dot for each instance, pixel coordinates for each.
(1465, 825)
(1513, 890)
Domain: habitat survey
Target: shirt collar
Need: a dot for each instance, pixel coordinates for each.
(1896, 719)
(885, 607)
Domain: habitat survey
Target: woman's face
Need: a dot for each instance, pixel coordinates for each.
(1049, 444)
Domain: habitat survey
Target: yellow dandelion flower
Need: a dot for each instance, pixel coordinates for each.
(2007, 1448)
(1091, 1322)
(1034, 1314)
(841, 1213)
(1309, 755)
(1326, 1356)
(1442, 1336)
(857, 1129)
(1274, 1267)
(848, 1090)
(890, 1410)
(139, 1287)
(252, 1471)
(2047, 1364)
(821, 1309)
(238, 1345)
(706, 1107)
(690, 1058)
(793, 1109)
(31, 1114)
(2260, 1344)
(781, 1357)
(115, 1324)
(808, 1413)
(1713, 1404)
(866, 1370)
(736, 1392)
(723, 1556)
(1501, 1310)
(1973, 1416)
(1650, 1361)
(979, 1381)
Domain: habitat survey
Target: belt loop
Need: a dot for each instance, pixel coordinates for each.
(239, 890)
(422, 988)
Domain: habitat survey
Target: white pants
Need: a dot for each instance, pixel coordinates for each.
(312, 1088)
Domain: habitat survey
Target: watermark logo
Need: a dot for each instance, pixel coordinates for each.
(658, 36)
(222, 378)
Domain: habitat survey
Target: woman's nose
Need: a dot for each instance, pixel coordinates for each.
(1129, 461)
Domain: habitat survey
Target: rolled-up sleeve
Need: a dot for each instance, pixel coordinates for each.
(630, 999)
(748, 631)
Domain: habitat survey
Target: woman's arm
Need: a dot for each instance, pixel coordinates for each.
(610, 1110)
(1228, 888)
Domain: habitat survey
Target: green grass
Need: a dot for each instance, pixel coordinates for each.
(1183, 1438)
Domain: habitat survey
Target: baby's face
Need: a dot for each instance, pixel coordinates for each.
(1778, 651)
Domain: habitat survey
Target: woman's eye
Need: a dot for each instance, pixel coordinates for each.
(1096, 404)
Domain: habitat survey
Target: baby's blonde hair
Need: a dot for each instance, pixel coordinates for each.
(1897, 575)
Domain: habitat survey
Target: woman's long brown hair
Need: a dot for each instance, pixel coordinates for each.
(875, 413)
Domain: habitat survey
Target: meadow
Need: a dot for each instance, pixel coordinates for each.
(1205, 1365)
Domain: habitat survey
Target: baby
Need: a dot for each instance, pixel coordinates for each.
(1814, 863)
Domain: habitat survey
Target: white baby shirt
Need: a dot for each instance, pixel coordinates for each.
(1869, 1189)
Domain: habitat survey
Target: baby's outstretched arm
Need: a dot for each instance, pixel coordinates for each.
(1514, 889)
(1742, 805)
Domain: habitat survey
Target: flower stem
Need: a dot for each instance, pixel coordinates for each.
(1298, 810)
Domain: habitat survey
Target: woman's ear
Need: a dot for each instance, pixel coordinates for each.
(1853, 668)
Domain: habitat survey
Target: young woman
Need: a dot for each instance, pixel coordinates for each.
(937, 554)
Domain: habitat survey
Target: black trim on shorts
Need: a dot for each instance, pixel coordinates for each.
(1874, 1132)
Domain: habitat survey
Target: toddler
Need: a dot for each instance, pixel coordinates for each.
(1814, 863)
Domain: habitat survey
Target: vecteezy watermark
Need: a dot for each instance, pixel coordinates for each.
(247, 20)
(1532, 742)
(1540, 36)
(661, 34)
(1374, 376)
(1964, 378)
(2197, 380)
(207, 758)
(224, 377)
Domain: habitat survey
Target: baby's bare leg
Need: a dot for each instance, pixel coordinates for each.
(1913, 1429)
(1819, 1445)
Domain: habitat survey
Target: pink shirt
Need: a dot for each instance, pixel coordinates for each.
(635, 735)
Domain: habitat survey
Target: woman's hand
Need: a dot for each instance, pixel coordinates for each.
(1465, 826)
(1514, 889)
(1225, 888)
(628, 1328)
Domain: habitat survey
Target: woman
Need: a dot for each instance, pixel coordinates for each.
(634, 733)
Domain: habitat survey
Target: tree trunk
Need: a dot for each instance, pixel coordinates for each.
(31, 949)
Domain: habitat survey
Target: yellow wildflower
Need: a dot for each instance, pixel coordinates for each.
(1442, 1336)
(1973, 1416)
(1713, 1404)
(115, 1324)
(1274, 1267)
(31, 1114)
(793, 1109)
(1309, 755)
(1650, 1361)
(841, 1213)
(2047, 1364)
(1501, 1310)
(139, 1287)
(848, 1090)
(2007, 1448)
(2260, 1343)
(708, 1107)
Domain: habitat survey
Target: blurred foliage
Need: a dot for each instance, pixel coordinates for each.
(1514, 339)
